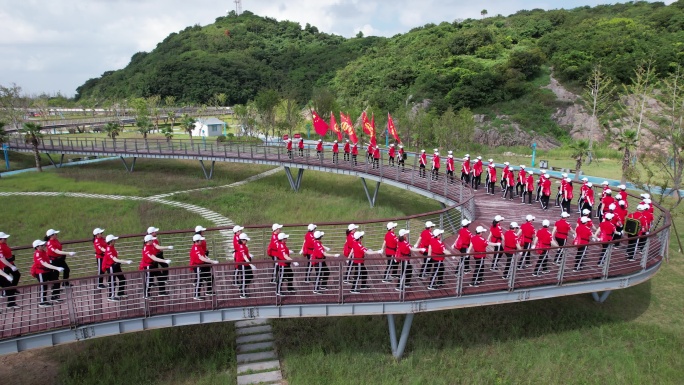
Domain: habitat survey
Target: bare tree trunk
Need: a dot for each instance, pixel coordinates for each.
(36, 155)
(626, 158)
(192, 144)
(578, 166)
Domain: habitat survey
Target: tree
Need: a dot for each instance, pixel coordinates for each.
(144, 124)
(13, 105)
(168, 133)
(188, 125)
(32, 135)
(598, 98)
(483, 13)
(579, 149)
(3, 133)
(290, 114)
(153, 105)
(324, 101)
(170, 103)
(112, 129)
(634, 98)
(627, 142)
(266, 102)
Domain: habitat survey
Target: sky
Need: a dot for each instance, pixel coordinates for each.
(50, 46)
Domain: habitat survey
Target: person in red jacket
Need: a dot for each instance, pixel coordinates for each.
(540, 182)
(568, 194)
(243, 265)
(347, 150)
(403, 255)
(100, 247)
(272, 249)
(450, 167)
(376, 157)
(283, 269)
(526, 238)
(319, 149)
(43, 271)
(588, 202)
(510, 182)
(521, 181)
(478, 248)
(320, 267)
(369, 153)
(336, 152)
(495, 236)
(111, 264)
(633, 242)
(511, 245)
(606, 201)
(300, 145)
(476, 179)
(561, 231)
(542, 242)
(200, 265)
(402, 157)
(582, 194)
(346, 250)
(528, 188)
(436, 252)
(389, 245)
(9, 273)
(391, 153)
(561, 189)
(307, 249)
(424, 242)
(465, 170)
(462, 243)
(582, 238)
(150, 261)
(423, 163)
(355, 153)
(436, 164)
(504, 176)
(620, 214)
(491, 178)
(288, 145)
(546, 192)
(358, 255)
(57, 258)
(605, 234)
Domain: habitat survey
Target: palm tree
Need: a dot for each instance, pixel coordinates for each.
(188, 125)
(112, 129)
(3, 133)
(627, 141)
(580, 149)
(168, 133)
(483, 13)
(33, 135)
(144, 125)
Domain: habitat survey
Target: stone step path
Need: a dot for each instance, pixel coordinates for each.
(256, 357)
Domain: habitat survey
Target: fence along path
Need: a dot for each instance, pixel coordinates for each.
(86, 313)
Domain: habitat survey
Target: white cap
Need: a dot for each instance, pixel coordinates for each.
(334, 141)
(450, 152)
(392, 145)
(197, 237)
(51, 232)
(590, 184)
(3, 235)
(401, 146)
(282, 236)
(585, 179)
(377, 146)
(422, 150)
(546, 175)
(465, 222)
(347, 140)
(586, 212)
(622, 203)
(403, 232)
(436, 153)
(612, 206)
(609, 191)
(529, 217)
(467, 155)
(391, 225)
(436, 149)
(647, 201)
(437, 232)
(450, 156)
(522, 166)
(465, 158)
(604, 183)
(622, 187)
(564, 175)
(237, 228)
(609, 216)
(585, 219)
(352, 227)
(530, 172)
(546, 172)
(320, 140)
(491, 160)
(311, 227)
(37, 243)
(546, 223)
(199, 228)
(429, 224)
(276, 227)
(646, 195)
(565, 214)
(98, 230)
(244, 237)
(506, 163)
(514, 225)
(152, 229)
(641, 207)
(318, 234)
(480, 229)
(479, 157)
(110, 238)
(498, 218)
(149, 237)
(358, 235)
(568, 180)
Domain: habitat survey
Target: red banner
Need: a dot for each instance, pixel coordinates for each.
(335, 127)
(367, 127)
(391, 129)
(373, 140)
(320, 126)
(348, 128)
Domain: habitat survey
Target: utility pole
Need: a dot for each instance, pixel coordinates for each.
(238, 7)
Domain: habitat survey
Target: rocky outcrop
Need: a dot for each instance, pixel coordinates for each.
(507, 133)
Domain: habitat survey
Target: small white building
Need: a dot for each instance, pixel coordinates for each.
(209, 127)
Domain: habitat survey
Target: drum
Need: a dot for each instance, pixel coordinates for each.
(632, 226)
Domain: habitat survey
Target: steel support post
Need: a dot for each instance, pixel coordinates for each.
(294, 184)
(61, 160)
(375, 193)
(211, 170)
(129, 169)
(600, 298)
(398, 347)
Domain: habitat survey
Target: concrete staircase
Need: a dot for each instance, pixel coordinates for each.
(256, 357)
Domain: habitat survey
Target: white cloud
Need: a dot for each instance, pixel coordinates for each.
(57, 45)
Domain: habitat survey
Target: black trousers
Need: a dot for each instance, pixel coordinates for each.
(289, 154)
(100, 271)
(163, 275)
(391, 161)
(559, 196)
(466, 259)
(153, 278)
(435, 173)
(525, 259)
(632, 246)
(204, 277)
(392, 267)
(354, 160)
(509, 191)
(604, 251)
(437, 274)
(11, 293)
(539, 189)
(565, 205)
(527, 194)
(421, 171)
(545, 201)
(360, 275)
(284, 274)
(346, 155)
(476, 180)
(465, 177)
(43, 289)
(479, 270)
(245, 277)
(579, 257)
(322, 274)
(61, 262)
(497, 256)
(490, 188)
(113, 292)
(519, 189)
(336, 157)
(541, 263)
(561, 242)
(509, 261)
(406, 274)
(450, 176)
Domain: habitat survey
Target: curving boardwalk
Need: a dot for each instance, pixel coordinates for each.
(87, 314)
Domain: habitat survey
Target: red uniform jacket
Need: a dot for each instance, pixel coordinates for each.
(391, 243)
(109, 256)
(425, 237)
(355, 149)
(492, 173)
(463, 240)
(527, 233)
(403, 251)
(99, 245)
(423, 159)
(465, 168)
(392, 152)
(195, 253)
(318, 254)
(479, 247)
(147, 252)
(510, 241)
(335, 148)
(450, 164)
(562, 229)
(359, 253)
(319, 146)
(522, 176)
(376, 153)
(301, 144)
(478, 167)
(589, 196)
(435, 162)
(583, 235)
(546, 187)
(289, 145)
(39, 256)
(529, 185)
(437, 249)
(241, 256)
(309, 243)
(568, 192)
(607, 230)
(347, 147)
(543, 240)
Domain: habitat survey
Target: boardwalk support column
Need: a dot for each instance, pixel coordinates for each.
(126, 165)
(398, 347)
(295, 184)
(375, 193)
(61, 160)
(602, 297)
(211, 170)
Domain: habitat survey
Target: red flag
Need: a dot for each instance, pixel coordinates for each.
(335, 127)
(320, 126)
(391, 129)
(367, 127)
(348, 128)
(373, 140)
